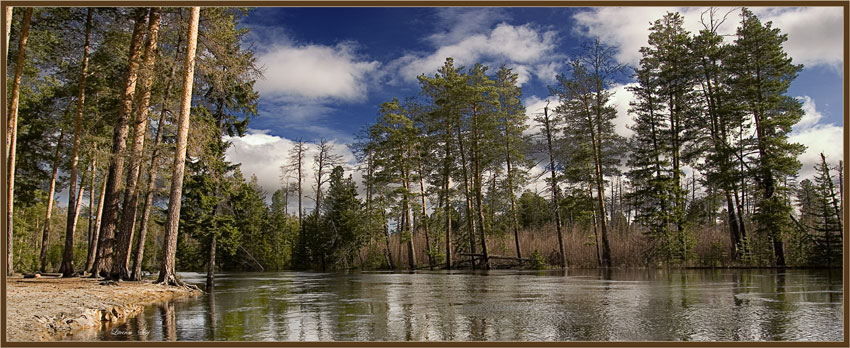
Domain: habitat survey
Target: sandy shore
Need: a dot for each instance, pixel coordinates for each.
(48, 308)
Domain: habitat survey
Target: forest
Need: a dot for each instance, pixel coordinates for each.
(128, 111)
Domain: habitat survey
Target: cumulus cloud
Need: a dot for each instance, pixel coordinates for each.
(262, 154)
(815, 34)
(457, 23)
(620, 100)
(534, 108)
(812, 31)
(315, 72)
(817, 137)
(473, 37)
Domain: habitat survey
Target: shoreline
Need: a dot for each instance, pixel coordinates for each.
(51, 309)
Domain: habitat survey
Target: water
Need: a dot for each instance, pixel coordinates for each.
(577, 305)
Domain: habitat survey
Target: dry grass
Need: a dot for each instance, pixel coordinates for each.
(629, 248)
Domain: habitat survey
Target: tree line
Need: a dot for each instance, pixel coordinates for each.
(444, 171)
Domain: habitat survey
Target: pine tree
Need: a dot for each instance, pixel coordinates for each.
(11, 132)
(106, 245)
(167, 273)
(827, 227)
(513, 116)
(762, 73)
(588, 122)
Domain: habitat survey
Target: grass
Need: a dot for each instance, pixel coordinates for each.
(629, 247)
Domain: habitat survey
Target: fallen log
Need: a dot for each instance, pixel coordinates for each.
(497, 257)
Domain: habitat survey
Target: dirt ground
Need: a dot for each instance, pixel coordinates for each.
(48, 308)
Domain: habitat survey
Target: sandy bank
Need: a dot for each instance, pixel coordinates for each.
(47, 308)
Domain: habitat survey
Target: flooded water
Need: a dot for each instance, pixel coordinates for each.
(576, 305)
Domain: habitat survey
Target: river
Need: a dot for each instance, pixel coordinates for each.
(573, 305)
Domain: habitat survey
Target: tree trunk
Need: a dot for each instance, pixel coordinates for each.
(211, 264)
(124, 238)
(447, 206)
(8, 26)
(167, 274)
(557, 211)
(425, 215)
(476, 182)
(92, 234)
(11, 134)
(104, 258)
(389, 252)
(42, 258)
(470, 222)
(93, 248)
(408, 218)
(67, 268)
(152, 174)
(514, 218)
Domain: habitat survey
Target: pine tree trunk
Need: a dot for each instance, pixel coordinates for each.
(42, 258)
(476, 171)
(554, 183)
(124, 238)
(408, 218)
(8, 26)
(425, 215)
(447, 206)
(514, 218)
(107, 243)
(11, 134)
(152, 174)
(92, 234)
(211, 264)
(93, 248)
(470, 222)
(67, 268)
(389, 252)
(167, 273)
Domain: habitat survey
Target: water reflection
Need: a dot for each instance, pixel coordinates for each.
(578, 305)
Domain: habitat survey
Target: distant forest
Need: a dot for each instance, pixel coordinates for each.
(131, 108)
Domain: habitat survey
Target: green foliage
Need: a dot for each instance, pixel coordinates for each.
(537, 261)
(533, 210)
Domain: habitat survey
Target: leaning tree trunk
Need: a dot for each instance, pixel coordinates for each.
(45, 233)
(106, 245)
(67, 267)
(167, 274)
(124, 238)
(10, 138)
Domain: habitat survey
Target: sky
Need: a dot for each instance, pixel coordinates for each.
(327, 70)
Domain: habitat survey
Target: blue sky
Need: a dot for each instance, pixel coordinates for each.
(327, 69)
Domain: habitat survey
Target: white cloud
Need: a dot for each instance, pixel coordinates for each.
(527, 49)
(262, 155)
(458, 23)
(533, 108)
(620, 100)
(314, 72)
(811, 116)
(826, 138)
(815, 34)
(812, 31)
